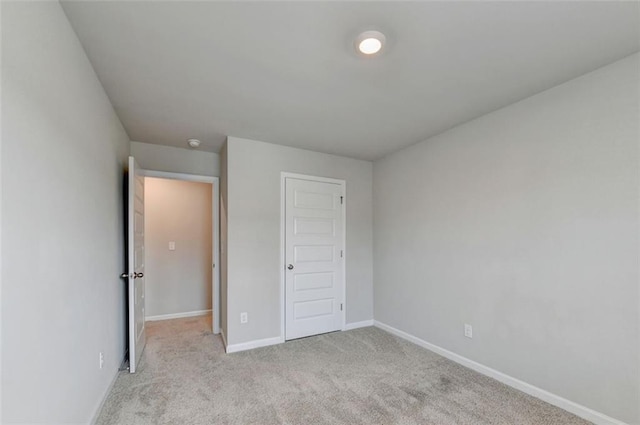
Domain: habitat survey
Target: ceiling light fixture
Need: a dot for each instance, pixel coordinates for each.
(370, 42)
(194, 143)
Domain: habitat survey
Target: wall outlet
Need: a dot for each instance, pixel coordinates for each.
(468, 331)
(244, 317)
(101, 360)
(172, 246)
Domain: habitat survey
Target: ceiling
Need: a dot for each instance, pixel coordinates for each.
(287, 73)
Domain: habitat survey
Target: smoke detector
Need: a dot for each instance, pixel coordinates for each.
(194, 143)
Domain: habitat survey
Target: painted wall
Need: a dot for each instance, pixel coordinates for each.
(223, 241)
(177, 281)
(63, 154)
(524, 224)
(176, 160)
(253, 220)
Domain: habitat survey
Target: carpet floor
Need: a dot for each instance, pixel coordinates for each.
(364, 376)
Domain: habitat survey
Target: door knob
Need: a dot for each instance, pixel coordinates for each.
(124, 276)
(138, 275)
(290, 266)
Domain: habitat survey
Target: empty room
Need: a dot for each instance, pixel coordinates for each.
(326, 212)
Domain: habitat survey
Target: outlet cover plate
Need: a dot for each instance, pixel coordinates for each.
(468, 330)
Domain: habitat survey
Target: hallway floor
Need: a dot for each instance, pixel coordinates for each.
(364, 376)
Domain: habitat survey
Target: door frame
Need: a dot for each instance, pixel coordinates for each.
(215, 225)
(283, 242)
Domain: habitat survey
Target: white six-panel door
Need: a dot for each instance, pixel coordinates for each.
(314, 255)
(135, 240)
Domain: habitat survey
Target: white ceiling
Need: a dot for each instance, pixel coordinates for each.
(286, 72)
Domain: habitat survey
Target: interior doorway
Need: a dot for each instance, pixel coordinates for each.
(181, 246)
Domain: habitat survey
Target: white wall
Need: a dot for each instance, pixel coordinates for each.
(223, 241)
(63, 153)
(524, 223)
(253, 220)
(176, 160)
(177, 281)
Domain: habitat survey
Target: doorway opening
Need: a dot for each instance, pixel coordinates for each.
(178, 213)
(181, 247)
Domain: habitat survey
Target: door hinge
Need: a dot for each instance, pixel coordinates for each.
(340, 306)
(213, 266)
(341, 200)
(341, 253)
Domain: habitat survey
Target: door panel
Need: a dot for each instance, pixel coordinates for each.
(314, 218)
(313, 253)
(135, 239)
(308, 281)
(314, 226)
(313, 308)
(311, 200)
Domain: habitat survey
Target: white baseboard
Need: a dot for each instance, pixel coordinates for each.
(177, 315)
(356, 325)
(98, 409)
(575, 408)
(234, 348)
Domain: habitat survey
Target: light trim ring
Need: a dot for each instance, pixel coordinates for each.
(370, 43)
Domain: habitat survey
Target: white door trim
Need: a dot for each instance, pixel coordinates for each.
(283, 176)
(215, 209)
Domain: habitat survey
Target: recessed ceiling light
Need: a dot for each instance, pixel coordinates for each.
(370, 42)
(194, 143)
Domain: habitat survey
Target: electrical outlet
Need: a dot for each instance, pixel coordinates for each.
(172, 246)
(468, 331)
(244, 317)
(101, 360)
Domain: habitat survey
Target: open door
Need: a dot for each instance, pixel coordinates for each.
(135, 241)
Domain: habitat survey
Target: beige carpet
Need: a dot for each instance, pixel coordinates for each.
(364, 376)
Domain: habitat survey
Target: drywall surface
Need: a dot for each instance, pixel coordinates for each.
(524, 224)
(176, 160)
(253, 215)
(223, 240)
(63, 155)
(178, 280)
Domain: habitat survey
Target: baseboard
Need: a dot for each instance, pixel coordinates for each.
(575, 408)
(234, 348)
(97, 411)
(177, 315)
(356, 325)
